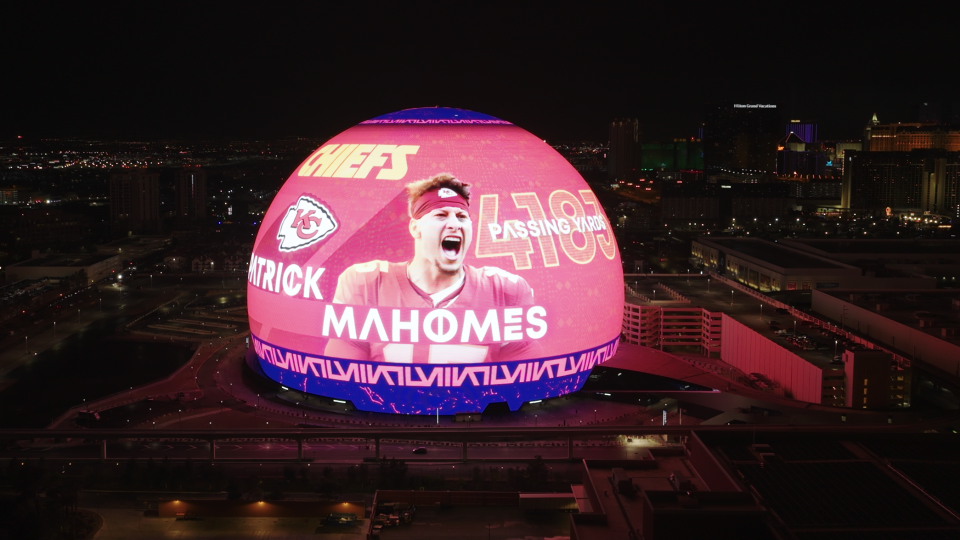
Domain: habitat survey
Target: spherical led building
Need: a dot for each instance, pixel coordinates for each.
(434, 260)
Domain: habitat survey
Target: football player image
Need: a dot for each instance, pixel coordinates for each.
(436, 277)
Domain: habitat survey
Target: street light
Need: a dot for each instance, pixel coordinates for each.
(594, 415)
(731, 297)
(794, 328)
(708, 285)
(26, 343)
(654, 295)
(761, 312)
(54, 330)
(835, 348)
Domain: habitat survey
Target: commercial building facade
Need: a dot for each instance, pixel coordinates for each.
(671, 322)
(918, 181)
(770, 266)
(814, 372)
(900, 137)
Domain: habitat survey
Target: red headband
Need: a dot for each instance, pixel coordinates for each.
(438, 198)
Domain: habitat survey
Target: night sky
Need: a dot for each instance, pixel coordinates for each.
(183, 70)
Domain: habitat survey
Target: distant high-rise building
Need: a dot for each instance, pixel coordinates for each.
(740, 137)
(807, 131)
(679, 154)
(840, 149)
(898, 137)
(921, 180)
(135, 201)
(798, 158)
(623, 159)
(191, 192)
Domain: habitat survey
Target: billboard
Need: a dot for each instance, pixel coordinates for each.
(434, 260)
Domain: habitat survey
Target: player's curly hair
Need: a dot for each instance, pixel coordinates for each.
(415, 190)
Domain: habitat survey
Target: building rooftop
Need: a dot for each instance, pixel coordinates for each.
(929, 311)
(772, 253)
(64, 260)
(715, 297)
(887, 248)
(838, 481)
(670, 499)
(135, 246)
(124, 242)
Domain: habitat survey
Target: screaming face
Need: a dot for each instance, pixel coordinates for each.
(443, 237)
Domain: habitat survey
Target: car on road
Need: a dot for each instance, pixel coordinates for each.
(420, 450)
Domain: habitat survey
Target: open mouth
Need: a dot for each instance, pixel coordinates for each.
(451, 246)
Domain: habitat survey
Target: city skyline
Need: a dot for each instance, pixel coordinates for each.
(655, 271)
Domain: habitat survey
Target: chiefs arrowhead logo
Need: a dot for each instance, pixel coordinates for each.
(305, 224)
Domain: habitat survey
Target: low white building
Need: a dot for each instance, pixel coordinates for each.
(96, 266)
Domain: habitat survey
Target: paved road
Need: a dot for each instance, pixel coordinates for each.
(52, 325)
(332, 452)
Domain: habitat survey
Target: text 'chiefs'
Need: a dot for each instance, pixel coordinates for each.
(358, 160)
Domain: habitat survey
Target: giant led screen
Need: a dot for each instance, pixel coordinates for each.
(434, 260)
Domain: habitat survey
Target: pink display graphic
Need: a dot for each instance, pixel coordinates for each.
(432, 247)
